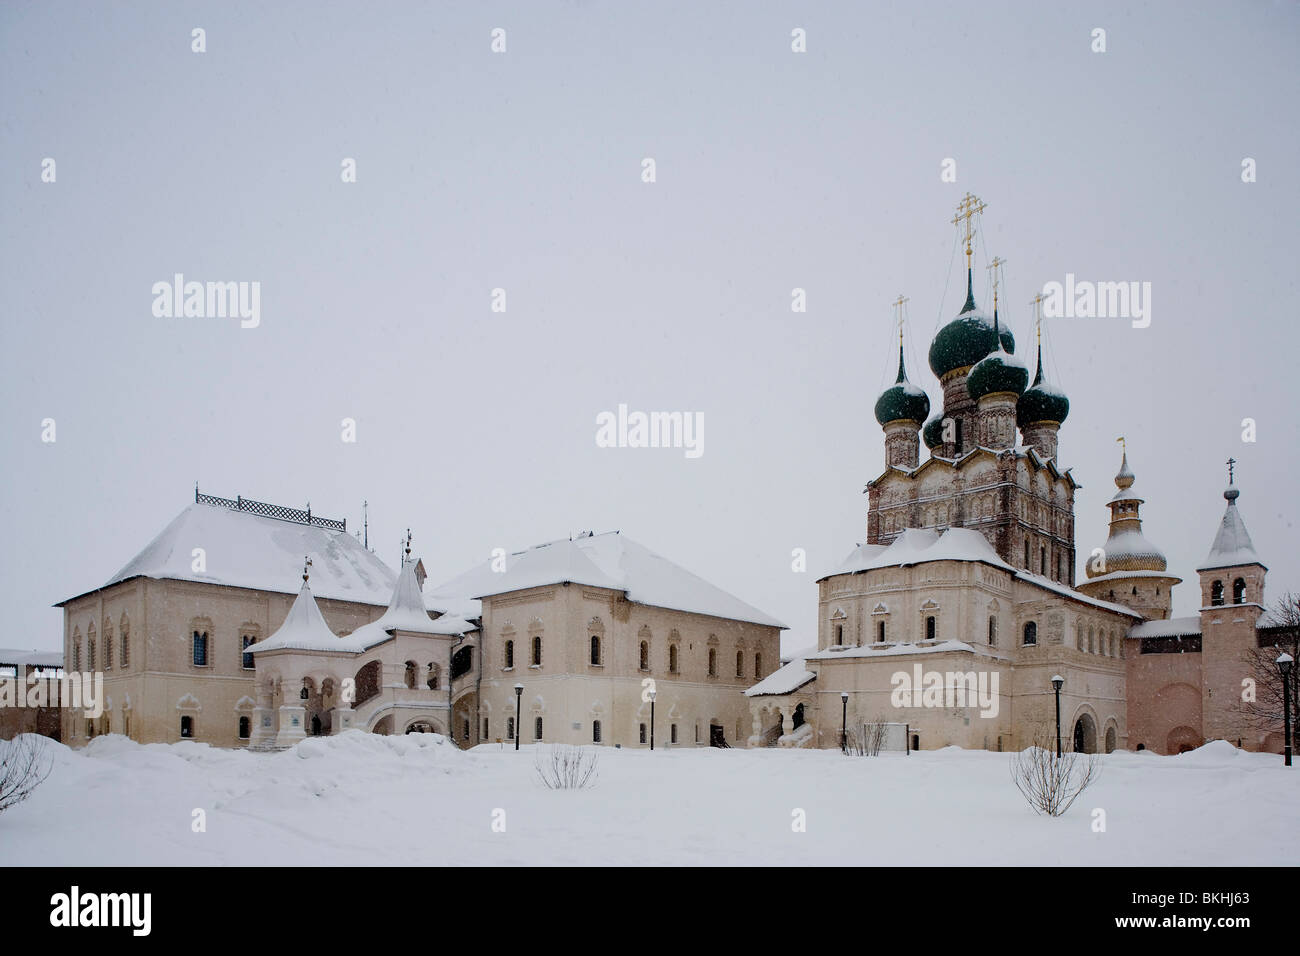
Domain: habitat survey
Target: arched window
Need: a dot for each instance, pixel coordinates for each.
(245, 658)
(839, 635)
(595, 731)
(537, 729)
(76, 653)
(90, 651)
(1216, 593)
(993, 631)
(1026, 555)
(1239, 591)
(595, 649)
(1042, 561)
(537, 651)
(672, 658)
(740, 663)
(125, 656)
(674, 733)
(645, 655)
(243, 728)
(510, 655)
(643, 733)
(758, 666)
(108, 646)
(1135, 590)
(713, 662)
(431, 678)
(880, 632)
(200, 649)
(187, 726)
(410, 674)
(1031, 633)
(930, 628)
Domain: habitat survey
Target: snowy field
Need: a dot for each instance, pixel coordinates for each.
(364, 799)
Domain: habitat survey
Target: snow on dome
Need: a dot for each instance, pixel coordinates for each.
(247, 550)
(1130, 551)
(304, 629)
(610, 560)
(1127, 494)
(1232, 545)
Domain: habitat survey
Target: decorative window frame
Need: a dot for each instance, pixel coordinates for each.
(201, 625)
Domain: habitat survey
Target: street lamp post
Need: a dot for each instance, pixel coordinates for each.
(652, 720)
(1057, 681)
(1284, 665)
(844, 721)
(519, 696)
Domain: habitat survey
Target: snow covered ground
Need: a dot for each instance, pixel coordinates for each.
(364, 799)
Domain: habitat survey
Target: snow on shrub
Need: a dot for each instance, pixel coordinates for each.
(1051, 783)
(566, 768)
(25, 762)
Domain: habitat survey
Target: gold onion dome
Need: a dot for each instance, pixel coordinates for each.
(1043, 402)
(967, 339)
(902, 401)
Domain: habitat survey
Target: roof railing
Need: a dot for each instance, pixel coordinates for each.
(266, 510)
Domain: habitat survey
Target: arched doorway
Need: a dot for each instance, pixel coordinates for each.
(796, 719)
(315, 725)
(1110, 740)
(421, 727)
(384, 725)
(1085, 735)
(1181, 740)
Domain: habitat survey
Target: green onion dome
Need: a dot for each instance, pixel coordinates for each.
(966, 339)
(998, 371)
(1043, 402)
(902, 400)
(932, 433)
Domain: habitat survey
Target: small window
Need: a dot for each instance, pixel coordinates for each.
(200, 647)
(993, 631)
(510, 728)
(245, 658)
(1026, 555)
(1216, 594)
(643, 733)
(1031, 633)
(595, 649)
(672, 658)
(839, 635)
(187, 727)
(1042, 561)
(108, 649)
(486, 735)
(510, 654)
(243, 728)
(880, 632)
(537, 729)
(90, 653)
(740, 663)
(1239, 591)
(645, 655)
(758, 666)
(674, 733)
(595, 731)
(537, 651)
(930, 628)
(713, 662)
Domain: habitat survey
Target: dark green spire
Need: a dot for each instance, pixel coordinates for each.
(970, 294)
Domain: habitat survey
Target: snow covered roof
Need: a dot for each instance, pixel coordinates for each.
(246, 550)
(304, 629)
(1074, 595)
(406, 612)
(1130, 575)
(17, 657)
(610, 560)
(918, 546)
(1174, 627)
(1128, 494)
(899, 650)
(785, 680)
(1232, 545)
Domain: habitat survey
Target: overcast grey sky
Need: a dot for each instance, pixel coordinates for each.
(522, 170)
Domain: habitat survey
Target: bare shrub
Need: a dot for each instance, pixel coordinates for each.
(25, 762)
(566, 768)
(1051, 783)
(865, 740)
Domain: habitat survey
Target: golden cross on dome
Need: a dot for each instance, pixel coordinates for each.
(1231, 462)
(969, 207)
(898, 304)
(996, 268)
(1123, 443)
(1037, 303)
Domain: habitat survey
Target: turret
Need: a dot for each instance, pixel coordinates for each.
(1043, 407)
(996, 383)
(900, 410)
